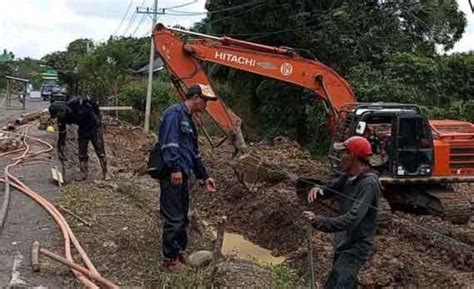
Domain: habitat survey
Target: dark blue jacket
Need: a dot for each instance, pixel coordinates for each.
(178, 138)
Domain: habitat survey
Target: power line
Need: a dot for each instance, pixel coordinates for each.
(238, 14)
(139, 23)
(181, 5)
(132, 19)
(190, 13)
(124, 16)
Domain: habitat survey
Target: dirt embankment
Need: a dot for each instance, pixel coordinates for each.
(258, 195)
(413, 251)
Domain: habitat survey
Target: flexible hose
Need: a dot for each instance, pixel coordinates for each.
(61, 224)
(79, 268)
(66, 230)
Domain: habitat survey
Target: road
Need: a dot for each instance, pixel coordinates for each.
(26, 221)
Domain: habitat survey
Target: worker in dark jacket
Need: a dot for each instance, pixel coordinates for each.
(84, 113)
(358, 193)
(179, 145)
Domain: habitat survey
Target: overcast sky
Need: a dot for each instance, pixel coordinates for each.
(34, 28)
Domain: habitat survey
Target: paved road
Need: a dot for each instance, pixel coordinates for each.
(26, 221)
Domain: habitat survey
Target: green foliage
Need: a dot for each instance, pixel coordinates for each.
(6, 68)
(99, 70)
(285, 277)
(134, 94)
(386, 49)
(443, 85)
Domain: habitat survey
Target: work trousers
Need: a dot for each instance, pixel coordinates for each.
(345, 268)
(174, 205)
(96, 137)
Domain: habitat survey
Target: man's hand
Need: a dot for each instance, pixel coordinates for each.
(313, 194)
(210, 185)
(310, 217)
(176, 178)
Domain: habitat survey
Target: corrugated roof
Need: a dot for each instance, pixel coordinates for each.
(157, 65)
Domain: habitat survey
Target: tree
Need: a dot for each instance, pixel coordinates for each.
(381, 46)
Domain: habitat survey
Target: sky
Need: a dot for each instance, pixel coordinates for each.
(34, 28)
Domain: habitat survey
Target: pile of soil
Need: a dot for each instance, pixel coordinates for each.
(259, 198)
(127, 147)
(257, 193)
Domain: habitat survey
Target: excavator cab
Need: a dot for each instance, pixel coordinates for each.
(400, 136)
(413, 146)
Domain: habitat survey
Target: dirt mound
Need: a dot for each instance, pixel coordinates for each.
(127, 146)
(258, 195)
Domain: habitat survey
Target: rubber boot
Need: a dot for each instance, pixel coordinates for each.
(172, 265)
(84, 170)
(103, 165)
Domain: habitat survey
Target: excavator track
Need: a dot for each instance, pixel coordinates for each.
(437, 199)
(451, 206)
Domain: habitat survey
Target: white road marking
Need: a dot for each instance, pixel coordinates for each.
(16, 279)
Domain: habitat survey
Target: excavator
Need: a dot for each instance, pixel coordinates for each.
(418, 160)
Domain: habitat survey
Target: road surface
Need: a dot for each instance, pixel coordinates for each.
(26, 221)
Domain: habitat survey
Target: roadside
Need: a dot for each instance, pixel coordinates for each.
(118, 223)
(26, 221)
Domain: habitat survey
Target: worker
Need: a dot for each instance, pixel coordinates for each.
(358, 193)
(181, 157)
(84, 113)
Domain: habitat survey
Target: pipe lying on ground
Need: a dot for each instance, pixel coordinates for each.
(37, 250)
(68, 235)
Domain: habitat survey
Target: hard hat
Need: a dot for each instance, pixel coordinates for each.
(50, 128)
(357, 145)
(204, 91)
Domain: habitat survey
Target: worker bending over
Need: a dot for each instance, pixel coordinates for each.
(84, 113)
(358, 193)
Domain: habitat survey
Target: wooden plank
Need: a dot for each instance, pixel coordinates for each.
(109, 108)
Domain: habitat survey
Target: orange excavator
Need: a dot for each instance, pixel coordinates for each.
(418, 159)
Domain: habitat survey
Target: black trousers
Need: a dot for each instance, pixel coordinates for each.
(95, 136)
(174, 205)
(345, 268)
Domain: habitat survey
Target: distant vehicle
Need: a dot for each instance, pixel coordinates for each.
(58, 93)
(46, 90)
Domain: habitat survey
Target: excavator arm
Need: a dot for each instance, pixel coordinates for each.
(183, 52)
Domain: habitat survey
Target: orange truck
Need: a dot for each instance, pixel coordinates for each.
(418, 159)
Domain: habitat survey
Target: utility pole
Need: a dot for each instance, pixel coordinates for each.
(150, 70)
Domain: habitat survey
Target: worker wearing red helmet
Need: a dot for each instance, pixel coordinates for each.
(358, 193)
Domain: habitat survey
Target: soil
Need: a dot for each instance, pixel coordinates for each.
(412, 252)
(258, 195)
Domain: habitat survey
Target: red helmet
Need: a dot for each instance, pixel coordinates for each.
(357, 145)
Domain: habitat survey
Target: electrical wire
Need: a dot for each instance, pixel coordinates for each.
(132, 19)
(188, 13)
(124, 16)
(236, 15)
(139, 24)
(181, 5)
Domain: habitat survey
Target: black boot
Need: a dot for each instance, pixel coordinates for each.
(103, 165)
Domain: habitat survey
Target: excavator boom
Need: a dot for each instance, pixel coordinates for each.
(183, 59)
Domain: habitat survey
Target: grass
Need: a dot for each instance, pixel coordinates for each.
(125, 240)
(285, 277)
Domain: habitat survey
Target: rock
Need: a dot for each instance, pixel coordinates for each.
(199, 258)
(470, 224)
